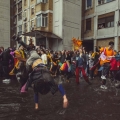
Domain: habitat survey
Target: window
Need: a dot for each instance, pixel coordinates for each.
(104, 1)
(39, 21)
(32, 23)
(19, 29)
(109, 1)
(106, 22)
(25, 27)
(32, 11)
(25, 14)
(42, 1)
(19, 6)
(20, 16)
(88, 24)
(15, 20)
(101, 2)
(88, 4)
(110, 21)
(25, 39)
(42, 20)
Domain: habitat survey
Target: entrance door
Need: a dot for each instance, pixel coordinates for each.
(88, 44)
(41, 42)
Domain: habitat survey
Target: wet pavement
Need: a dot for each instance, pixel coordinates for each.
(86, 102)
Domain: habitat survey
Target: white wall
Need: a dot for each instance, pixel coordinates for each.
(57, 22)
(106, 32)
(5, 23)
(107, 8)
(71, 22)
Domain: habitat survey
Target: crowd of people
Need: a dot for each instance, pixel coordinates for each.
(38, 67)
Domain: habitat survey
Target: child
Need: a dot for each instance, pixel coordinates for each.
(91, 63)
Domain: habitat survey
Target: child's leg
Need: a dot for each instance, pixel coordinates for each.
(62, 91)
(36, 97)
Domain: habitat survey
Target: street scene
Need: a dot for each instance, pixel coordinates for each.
(59, 59)
(85, 102)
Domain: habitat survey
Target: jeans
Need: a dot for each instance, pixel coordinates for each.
(106, 68)
(78, 69)
(91, 74)
(6, 71)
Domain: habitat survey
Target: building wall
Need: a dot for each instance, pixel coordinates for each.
(71, 22)
(38, 9)
(5, 23)
(57, 22)
(88, 14)
(66, 22)
(104, 42)
(104, 35)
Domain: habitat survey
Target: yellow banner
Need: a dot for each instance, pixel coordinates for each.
(76, 43)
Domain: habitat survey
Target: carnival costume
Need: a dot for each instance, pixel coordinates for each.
(39, 76)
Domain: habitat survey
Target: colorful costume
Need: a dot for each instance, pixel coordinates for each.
(39, 77)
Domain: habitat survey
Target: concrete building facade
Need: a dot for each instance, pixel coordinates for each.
(5, 23)
(67, 21)
(16, 19)
(50, 23)
(101, 23)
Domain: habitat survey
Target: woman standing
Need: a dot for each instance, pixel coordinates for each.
(80, 67)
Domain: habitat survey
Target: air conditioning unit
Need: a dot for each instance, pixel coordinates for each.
(25, 19)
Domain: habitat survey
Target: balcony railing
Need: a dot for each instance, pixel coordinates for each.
(100, 2)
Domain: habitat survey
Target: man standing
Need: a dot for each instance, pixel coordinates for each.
(106, 55)
(6, 58)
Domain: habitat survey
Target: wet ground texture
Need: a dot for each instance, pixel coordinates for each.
(86, 102)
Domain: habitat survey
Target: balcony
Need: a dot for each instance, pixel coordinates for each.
(105, 32)
(101, 2)
(43, 6)
(107, 7)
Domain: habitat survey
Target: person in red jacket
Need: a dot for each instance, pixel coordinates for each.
(115, 64)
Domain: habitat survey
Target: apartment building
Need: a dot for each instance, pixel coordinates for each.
(50, 23)
(5, 23)
(16, 19)
(101, 23)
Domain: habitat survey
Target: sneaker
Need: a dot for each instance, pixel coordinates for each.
(18, 78)
(103, 77)
(6, 81)
(103, 87)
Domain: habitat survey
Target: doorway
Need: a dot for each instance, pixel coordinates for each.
(88, 44)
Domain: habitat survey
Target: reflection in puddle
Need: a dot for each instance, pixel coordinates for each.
(85, 103)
